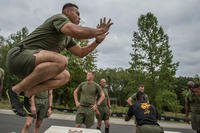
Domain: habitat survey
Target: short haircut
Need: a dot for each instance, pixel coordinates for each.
(140, 85)
(190, 84)
(91, 72)
(69, 5)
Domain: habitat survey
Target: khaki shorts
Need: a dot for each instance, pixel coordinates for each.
(149, 129)
(85, 115)
(41, 108)
(21, 63)
(104, 113)
(195, 121)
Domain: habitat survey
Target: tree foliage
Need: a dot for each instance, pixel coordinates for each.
(151, 59)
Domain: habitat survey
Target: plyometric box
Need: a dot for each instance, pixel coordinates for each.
(61, 129)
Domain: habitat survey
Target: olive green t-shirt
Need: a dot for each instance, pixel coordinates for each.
(105, 101)
(48, 35)
(88, 92)
(194, 102)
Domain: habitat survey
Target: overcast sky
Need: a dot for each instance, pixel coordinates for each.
(180, 19)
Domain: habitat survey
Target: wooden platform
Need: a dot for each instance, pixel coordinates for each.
(61, 129)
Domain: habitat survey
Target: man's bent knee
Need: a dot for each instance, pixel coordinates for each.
(62, 63)
(65, 76)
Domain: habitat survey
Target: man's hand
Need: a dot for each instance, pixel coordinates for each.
(49, 112)
(77, 104)
(95, 108)
(105, 26)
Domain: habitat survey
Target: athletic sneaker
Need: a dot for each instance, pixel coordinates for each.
(16, 105)
(27, 106)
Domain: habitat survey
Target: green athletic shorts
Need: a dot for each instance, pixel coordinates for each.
(41, 108)
(104, 113)
(85, 115)
(21, 63)
(195, 121)
(149, 129)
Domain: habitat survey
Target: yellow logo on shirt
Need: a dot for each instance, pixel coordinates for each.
(145, 107)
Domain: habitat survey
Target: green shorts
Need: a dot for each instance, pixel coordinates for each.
(85, 115)
(104, 113)
(195, 121)
(149, 129)
(41, 108)
(21, 63)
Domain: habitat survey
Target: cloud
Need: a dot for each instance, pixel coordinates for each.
(179, 19)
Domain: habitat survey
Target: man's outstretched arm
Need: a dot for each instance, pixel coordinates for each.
(85, 50)
(80, 32)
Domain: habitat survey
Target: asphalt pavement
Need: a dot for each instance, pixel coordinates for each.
(10, 123)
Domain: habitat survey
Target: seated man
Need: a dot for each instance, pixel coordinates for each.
(145, 114)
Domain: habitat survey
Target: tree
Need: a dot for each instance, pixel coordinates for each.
(152, 57)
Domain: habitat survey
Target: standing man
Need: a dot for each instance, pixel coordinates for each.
(104, 108)
(133, 97)
(145, 114)
(192, 103)
(1, 82)
(37, 57)
(89, 91)
(41, 107)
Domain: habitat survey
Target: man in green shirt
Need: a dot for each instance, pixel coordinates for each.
(89, 91)
(192, 103)
(133, 97)
(1, 81)
(41, 107)
(104, 108)
(36, 59)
